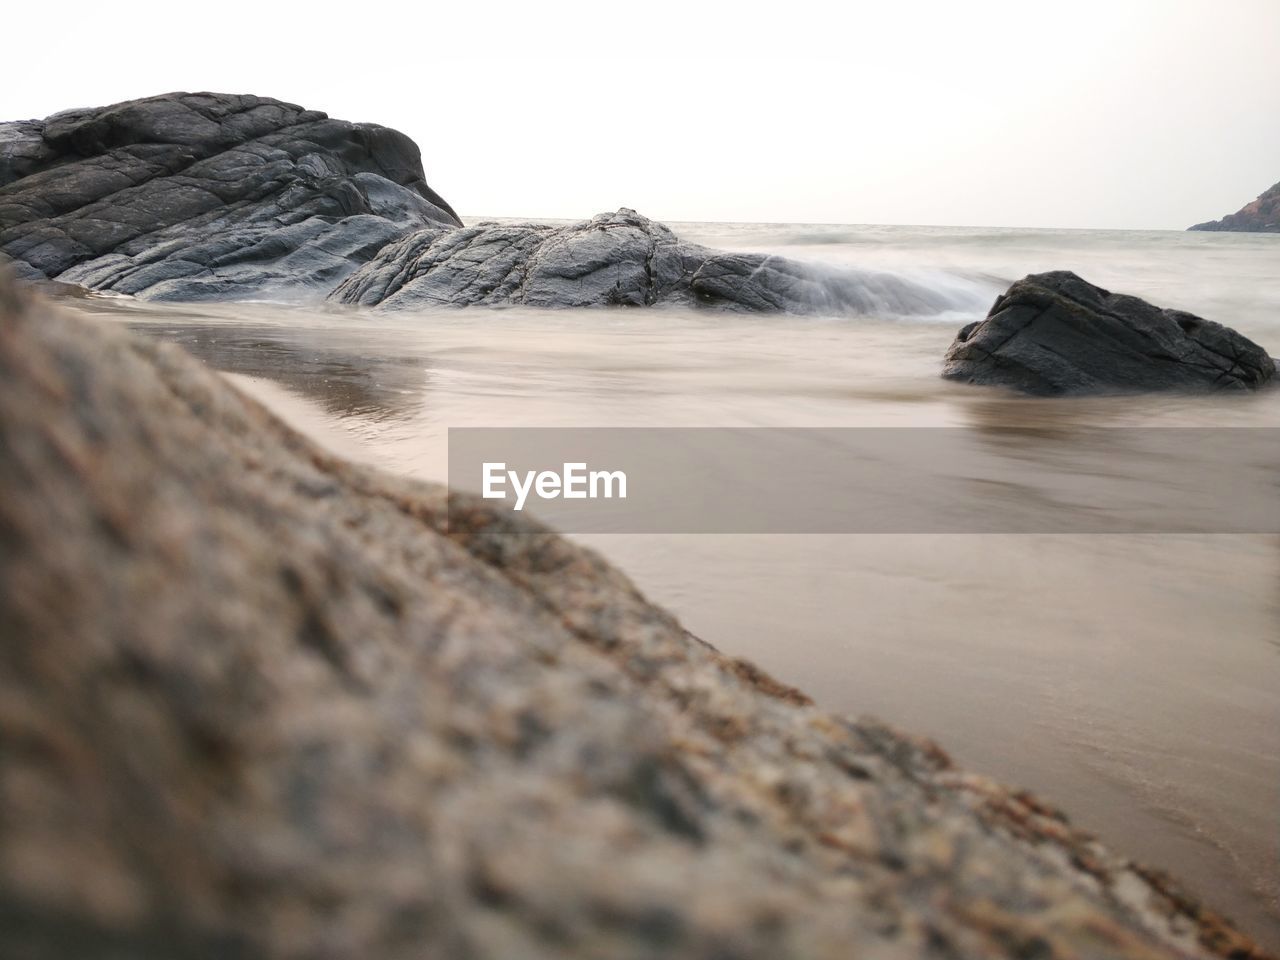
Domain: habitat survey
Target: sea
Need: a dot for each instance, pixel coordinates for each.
(1133, 679)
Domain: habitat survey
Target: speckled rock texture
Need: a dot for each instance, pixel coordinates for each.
(200, 196)
(1260, 216)
(620, 258)
(1054, 334)
(259, 702)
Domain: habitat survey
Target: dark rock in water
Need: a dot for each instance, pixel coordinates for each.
(1053, 333)
(619, 258)
(258, 702)
(1260, 216)
(192, 196)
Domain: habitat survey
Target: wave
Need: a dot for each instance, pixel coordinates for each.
(918, 294)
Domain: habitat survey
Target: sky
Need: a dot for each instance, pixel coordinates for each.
(1118, 114)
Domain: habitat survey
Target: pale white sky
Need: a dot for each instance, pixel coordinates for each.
(1125, 113)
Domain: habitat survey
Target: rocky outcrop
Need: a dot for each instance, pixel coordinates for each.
(619, 258)
(1053, 333)
(192, 196)
(258, 702)
(1260, 216)
(219, 197)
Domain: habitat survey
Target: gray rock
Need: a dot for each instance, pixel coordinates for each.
(206, 196)
(619, 258)
(1053, 333)
(217, 196)
(1259, 216)
(256, 702)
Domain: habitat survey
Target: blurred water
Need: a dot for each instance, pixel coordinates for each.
(1232, 278)
(1133, 679)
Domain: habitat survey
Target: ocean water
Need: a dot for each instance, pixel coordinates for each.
(1132, 679)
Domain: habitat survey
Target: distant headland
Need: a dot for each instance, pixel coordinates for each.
(1260, 216)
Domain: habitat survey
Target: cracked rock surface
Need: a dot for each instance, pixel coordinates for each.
(620, 258)
(259, 702)
(1054, 333)
(198, 196)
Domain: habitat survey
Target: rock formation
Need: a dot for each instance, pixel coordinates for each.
(206, 196)
(258, 702)
(215, 196)
(619, 258)
(1260, 216)
(1054, 333)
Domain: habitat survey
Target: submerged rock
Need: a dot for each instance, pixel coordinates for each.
(1054, 333)
(619, 258)
(259, 702)
(1260, 216)
(196, 196)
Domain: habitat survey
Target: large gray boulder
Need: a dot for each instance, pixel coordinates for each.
(256, 702)
(1054, 333)
(196, 196)
(619, 258)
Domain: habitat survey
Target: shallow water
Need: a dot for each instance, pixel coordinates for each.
(1133, 679)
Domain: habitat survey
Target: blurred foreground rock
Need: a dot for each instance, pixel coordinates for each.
(1054, 333)
(258, 702)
